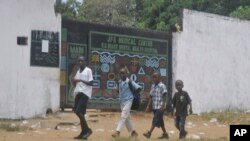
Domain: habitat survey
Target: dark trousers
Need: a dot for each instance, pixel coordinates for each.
(80, 107)
(158, 119)
(180, 125)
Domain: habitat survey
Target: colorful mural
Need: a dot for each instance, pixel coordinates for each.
(110, 52)
(109, 48)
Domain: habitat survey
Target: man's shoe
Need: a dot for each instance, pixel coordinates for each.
(79, 136)
(184, 135)
(116, 134)
(85, 136)
(164, 136)
(147, 134)
(134, 134)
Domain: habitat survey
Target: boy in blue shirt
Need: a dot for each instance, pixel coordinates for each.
(126, 99)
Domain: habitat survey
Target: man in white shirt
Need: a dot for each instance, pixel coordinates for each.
(83, 82)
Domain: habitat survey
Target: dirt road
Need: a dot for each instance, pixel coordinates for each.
(63, 126)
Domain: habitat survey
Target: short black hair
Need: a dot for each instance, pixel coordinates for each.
(157, 73)
(124, 70)
(178, 82)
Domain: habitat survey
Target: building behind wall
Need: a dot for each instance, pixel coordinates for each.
(212, 56)
(29, 58)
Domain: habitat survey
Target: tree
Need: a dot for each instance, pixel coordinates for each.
(68, 9)
(115, 12)
(164, 15)
(242, 12)
(160, 14)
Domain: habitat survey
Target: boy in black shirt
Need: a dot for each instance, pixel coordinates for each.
(181, 101)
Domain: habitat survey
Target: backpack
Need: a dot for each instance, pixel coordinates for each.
(137, 98)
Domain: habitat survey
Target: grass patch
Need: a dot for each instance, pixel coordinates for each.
(170, 139)
(9, 127)
(125, 139)
(229, 116)
(202, 139)
(12, 127)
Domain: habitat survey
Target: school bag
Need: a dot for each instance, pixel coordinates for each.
(137, 98)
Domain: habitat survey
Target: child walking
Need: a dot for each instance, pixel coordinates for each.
(181, 101)
(126, 99)
(83, 82)
(157, 99)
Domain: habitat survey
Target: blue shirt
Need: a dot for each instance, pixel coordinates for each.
(124, 91)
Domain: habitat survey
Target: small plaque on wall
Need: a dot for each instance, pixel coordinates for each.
(22, 40)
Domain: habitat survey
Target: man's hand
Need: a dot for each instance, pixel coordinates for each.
(147, 109)
(190, 111)
(74, 82)
(162, 109)
(172, 112)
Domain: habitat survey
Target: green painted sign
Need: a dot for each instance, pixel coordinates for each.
(44, 48)
(128, 44)
(73, 51)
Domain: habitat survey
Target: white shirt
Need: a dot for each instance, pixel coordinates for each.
(85, 75)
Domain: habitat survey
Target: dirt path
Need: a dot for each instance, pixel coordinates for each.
(63, 126)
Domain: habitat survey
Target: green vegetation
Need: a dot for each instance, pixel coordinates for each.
(9, 127)
(171, 139)
(242, 12)
(229, 116)
(162, 15)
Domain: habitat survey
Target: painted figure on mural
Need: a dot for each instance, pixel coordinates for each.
(83, 82)
(126, 99)
(157, 102)
(181, 104)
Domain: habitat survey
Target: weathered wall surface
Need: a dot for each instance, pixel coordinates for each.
(212, 57)
(26, 91)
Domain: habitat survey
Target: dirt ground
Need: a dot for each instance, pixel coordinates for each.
(63, 126)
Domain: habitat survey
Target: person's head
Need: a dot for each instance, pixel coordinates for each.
(179, 85)
(123, 74)
(81, 61)
(156, 77)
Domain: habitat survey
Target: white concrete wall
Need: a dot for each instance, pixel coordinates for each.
(26, 91)
(212, 57)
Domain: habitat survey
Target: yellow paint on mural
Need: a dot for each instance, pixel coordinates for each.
(63, 78)
(95, 58)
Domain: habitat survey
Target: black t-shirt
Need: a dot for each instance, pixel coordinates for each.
(180, 102)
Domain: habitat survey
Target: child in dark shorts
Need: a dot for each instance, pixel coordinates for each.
(157, 100)
(83, 82)
(181, 101)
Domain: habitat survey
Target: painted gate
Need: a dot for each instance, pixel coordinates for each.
(108, 49)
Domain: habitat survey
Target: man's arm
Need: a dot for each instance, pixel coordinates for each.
(117, 87)
(174, 106)
(90, 83)
(190, 108)
(190, 104)
(149, 104)
(164, 102)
